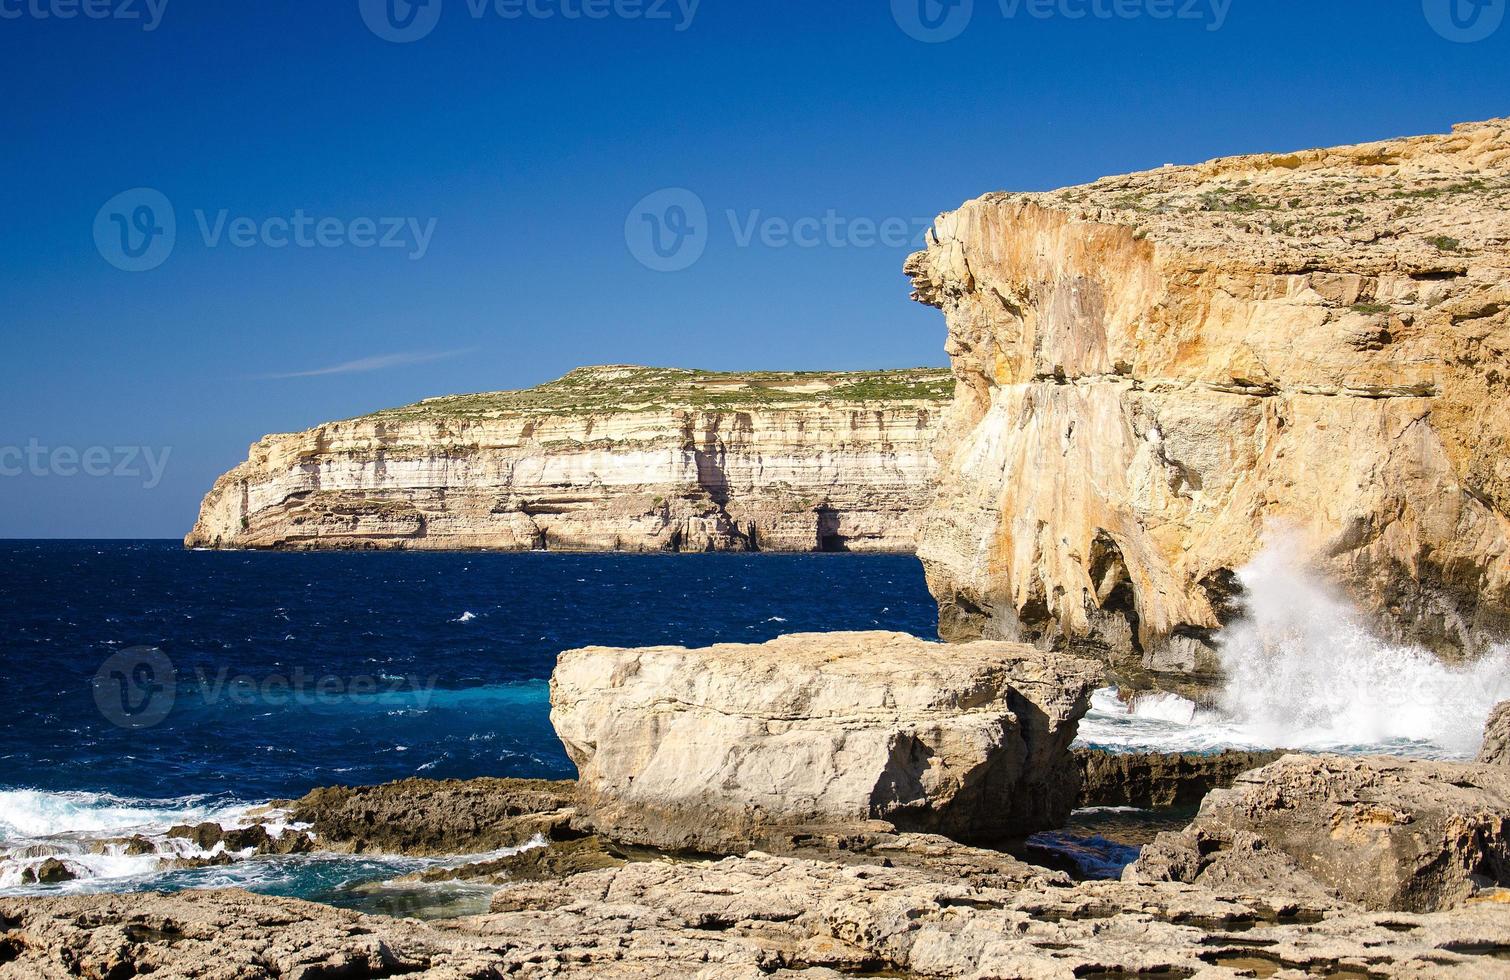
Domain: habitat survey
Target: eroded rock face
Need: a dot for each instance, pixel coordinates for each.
(1157, 780)
(718, 749)
(1155, 367)
(1496, 749)
(604, 459)
(1380, 832)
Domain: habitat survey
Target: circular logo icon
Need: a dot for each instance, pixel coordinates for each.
(668, 230)
(933, 21)
(136, 230)
(400, 21)
(136, 687)
(1465, 21)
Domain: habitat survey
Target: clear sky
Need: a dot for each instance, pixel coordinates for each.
(516, 143)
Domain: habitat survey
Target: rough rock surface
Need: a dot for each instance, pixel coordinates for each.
(429, 817)
(1496, 750)
(1154, 367)
(1380, 832)
(1156, 780)
(753, 917)
(604, 459)
(724, 747)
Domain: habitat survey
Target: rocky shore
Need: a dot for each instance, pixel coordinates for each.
(612, 458)
(1342, 867)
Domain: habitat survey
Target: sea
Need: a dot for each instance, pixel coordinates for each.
(146, 686)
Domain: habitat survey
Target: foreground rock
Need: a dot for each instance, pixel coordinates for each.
(1496, 749)
(1380, 832)
(424, 817)
(753, 917)
(604, 459)
(1155, 367)
(1158, 780)
(722, 748)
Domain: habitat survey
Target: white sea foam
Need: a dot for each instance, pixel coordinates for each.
(1303, 671)
(34, 813)
(83, 831)
(88, 832)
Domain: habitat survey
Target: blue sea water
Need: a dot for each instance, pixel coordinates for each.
(293, 671)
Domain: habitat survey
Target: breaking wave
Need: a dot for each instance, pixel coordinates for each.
(1303, 671)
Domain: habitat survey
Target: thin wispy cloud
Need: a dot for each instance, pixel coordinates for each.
(365, 364)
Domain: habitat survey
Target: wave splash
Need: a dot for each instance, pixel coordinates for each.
(1304, 671)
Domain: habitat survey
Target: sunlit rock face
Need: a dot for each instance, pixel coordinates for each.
(604, 459)
(728, 747)
(1158, 370)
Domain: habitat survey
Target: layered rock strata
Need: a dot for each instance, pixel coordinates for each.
(721, 748)
(604, 459)
(1379, 832)
(1156, 368)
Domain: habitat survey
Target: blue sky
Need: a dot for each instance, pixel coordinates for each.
(514, 151)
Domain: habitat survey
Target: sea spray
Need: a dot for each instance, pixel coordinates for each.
(1303, 670)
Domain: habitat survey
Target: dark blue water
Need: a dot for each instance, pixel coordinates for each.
(292, 671)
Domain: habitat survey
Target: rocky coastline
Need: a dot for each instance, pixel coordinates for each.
(1369, 867)
(1152, 369)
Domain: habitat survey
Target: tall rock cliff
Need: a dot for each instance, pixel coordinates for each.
(604, 459)
(1154, 369)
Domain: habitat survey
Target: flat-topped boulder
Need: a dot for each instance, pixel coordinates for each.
(724, 748)
(1380, 832)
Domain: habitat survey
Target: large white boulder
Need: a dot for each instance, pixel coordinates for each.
(736, 745)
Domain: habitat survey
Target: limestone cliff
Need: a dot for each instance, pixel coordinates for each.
(604, 459)
(1156, 367)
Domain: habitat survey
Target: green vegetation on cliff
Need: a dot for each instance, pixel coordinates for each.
(630, 388)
